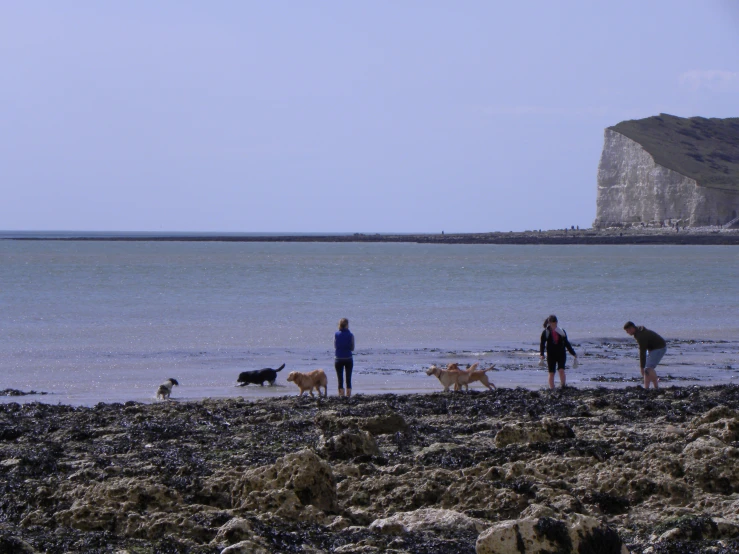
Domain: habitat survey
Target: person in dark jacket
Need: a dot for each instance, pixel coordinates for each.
(343, 359)
(651, 349)
(554, 341)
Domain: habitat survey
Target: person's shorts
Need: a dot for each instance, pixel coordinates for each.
(654, 357)
(553, 362)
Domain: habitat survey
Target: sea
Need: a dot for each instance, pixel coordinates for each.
(83, 322)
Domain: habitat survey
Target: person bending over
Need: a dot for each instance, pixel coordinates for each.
(651, 349)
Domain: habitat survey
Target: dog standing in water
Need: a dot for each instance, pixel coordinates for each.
(259, 376)
(453, 375)
(165, 389)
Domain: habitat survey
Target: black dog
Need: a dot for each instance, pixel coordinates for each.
(259, 376)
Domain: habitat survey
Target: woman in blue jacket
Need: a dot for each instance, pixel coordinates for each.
(343, 360)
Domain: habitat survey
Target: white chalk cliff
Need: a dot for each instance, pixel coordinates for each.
(668, 169)
(633, 188)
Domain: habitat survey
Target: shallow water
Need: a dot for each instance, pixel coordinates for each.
(108, 321)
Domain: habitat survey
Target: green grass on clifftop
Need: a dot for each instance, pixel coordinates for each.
(706, 150)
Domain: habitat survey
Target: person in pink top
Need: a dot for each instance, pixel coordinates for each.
(554, 341)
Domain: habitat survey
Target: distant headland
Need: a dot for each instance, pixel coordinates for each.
(667, 170)
(627, 234)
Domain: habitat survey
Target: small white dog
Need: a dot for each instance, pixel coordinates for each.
(165, 389)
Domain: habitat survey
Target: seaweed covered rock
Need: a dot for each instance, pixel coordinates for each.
(299, 486)
(712, 465)
(100, 505)
(428, 519)
(16, 546)
(435, 453)
(387, 422)
(349, 444)
(201, 477)
(544, 431)
(579, 534)
(245, 547)
(16, 392)
(233, 531)
(700, 528)
(720, 422)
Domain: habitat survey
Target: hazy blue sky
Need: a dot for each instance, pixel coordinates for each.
(338, 116)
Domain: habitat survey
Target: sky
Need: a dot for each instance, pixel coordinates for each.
(338, 117)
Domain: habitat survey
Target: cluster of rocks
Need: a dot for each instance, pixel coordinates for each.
(16, 392)
(588, 471)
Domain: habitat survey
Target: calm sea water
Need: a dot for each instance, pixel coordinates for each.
(107, 321)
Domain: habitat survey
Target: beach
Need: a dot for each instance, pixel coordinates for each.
(207, 207)
(604, 363)
(107, 321)
(92, 462)
(430, 473)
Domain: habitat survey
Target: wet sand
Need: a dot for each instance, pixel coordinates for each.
(608, 363)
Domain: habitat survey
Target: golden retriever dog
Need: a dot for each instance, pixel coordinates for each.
(472, 374)
(309, 381)
(446, 377)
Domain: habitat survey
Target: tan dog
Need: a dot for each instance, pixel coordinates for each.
(446, 377)
(467, 376)
(309, 381)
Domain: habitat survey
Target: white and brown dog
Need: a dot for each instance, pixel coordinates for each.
(309, 381)
(165, 389)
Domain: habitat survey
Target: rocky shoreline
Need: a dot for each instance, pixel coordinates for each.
(611, 235)
(594, 470)
(16, 392)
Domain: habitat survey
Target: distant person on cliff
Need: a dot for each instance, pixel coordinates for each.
(554, 341)
(343, 360)
(651, 349)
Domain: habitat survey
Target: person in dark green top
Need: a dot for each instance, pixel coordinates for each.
(651, 349)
